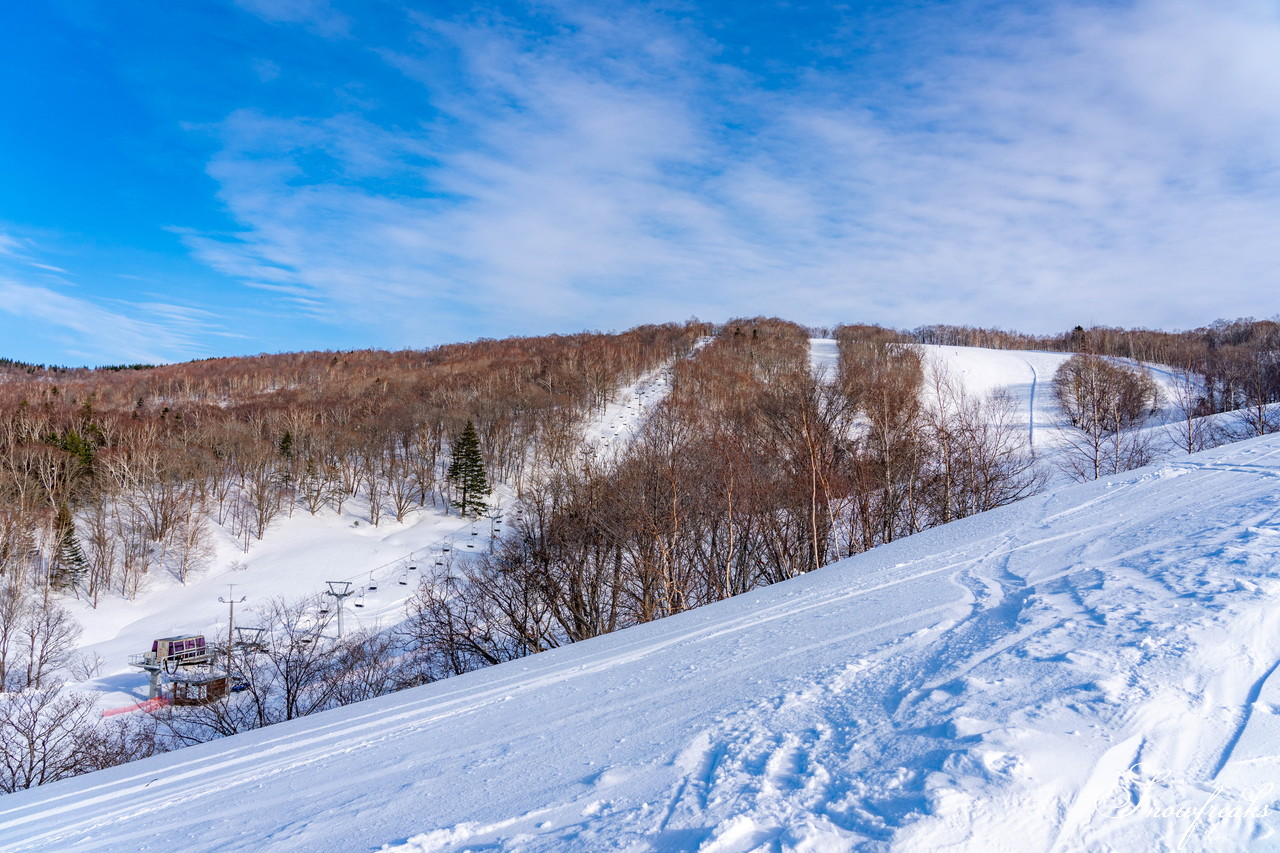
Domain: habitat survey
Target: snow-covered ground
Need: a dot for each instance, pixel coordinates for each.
(616, 426)
(294, 561)
(606, 435)
(1026, 376)
(824, 358)
(299, 554)
(1089, 669)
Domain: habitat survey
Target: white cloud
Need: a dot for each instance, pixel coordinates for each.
(9, 245)
(97, 333)
(1107, 164)
(316, 15)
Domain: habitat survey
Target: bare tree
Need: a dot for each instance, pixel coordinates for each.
(1192, 430)
(47, 641)
(43, 736)
(189, 547)
(1108, 403)
(978, 457)
(13, 612)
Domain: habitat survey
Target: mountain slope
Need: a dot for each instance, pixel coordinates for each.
(1051, 675)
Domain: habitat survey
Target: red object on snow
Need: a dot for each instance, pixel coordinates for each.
(148, 706)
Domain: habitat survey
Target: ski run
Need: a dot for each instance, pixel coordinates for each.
(1088, 669)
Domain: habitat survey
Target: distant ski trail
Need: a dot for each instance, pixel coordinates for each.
(1031, 410)
(824, 358)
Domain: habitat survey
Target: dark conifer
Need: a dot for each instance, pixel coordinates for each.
(69, 564)
(467, 473)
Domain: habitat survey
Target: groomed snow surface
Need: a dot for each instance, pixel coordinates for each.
(1089, 669)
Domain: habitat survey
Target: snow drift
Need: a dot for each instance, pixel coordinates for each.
(1087, 669)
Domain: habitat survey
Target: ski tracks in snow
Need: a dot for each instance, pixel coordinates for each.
(944, 715)
(791, 770)
(1031, 406)
(998, 684)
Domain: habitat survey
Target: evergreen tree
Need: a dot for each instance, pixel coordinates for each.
(466, 473)
(69, 564)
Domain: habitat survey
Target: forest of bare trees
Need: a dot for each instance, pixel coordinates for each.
(107, 476)
(753, 469)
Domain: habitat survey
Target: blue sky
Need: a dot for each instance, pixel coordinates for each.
(180, 180)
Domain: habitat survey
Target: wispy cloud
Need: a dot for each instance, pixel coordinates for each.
(97, 333)
(319, 16)
(1101, 163)
(44, 317)
(9, 245)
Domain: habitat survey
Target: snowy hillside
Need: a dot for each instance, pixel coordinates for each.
(1025, 375)
(1087, 669)
(302, 552)
(293, 562)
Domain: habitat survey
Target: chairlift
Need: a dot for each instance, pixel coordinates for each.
(373, 584)
(445, 548)
(360, 600)
(404, 580)
(413, 568)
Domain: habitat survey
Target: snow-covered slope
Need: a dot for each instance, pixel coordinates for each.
(1088, 669)
(300, 553)
(1026, 376)
(616, 426)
